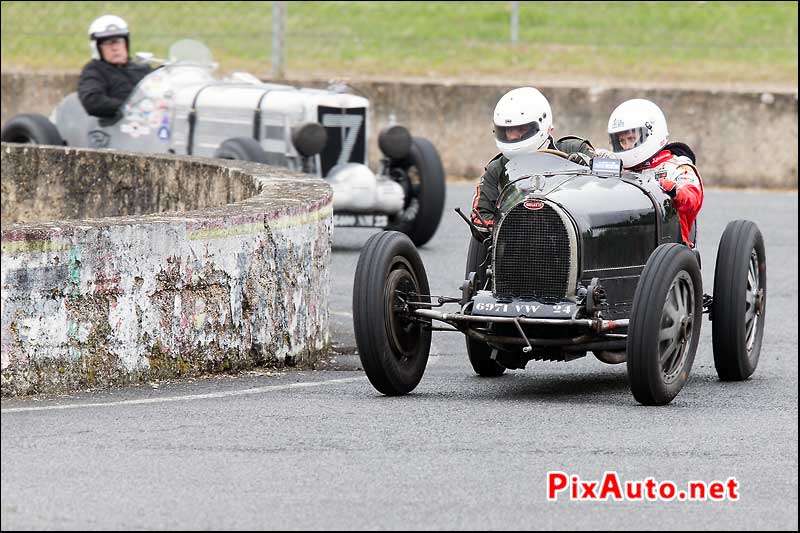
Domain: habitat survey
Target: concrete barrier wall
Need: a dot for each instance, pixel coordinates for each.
(742, 139)
(42, 185)
(240, 279)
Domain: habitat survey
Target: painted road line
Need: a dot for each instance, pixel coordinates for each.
(189, 397)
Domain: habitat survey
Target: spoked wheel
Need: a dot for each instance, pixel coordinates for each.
(422, 177)
(480, 353)
(740, 301)
(393, 344)
(677, 321)
(665, 325)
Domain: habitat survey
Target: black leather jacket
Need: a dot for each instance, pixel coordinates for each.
(104, 87)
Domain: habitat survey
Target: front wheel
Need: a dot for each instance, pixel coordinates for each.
(740, 301)
(665, 324)
(422, 177)
(392, 343)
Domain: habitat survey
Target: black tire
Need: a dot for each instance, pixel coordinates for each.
(242, 149)
(740, 300)
(30, 128)
(422, 177)
(665, 324)
(480, 353)
(393, 348)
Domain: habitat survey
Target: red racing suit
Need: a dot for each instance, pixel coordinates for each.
(677, 175)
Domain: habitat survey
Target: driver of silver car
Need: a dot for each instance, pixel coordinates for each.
(110, 77)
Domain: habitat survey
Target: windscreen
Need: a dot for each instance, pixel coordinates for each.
(190, 51)
(535, 174)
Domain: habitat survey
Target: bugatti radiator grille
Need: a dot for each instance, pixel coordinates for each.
(532, 255)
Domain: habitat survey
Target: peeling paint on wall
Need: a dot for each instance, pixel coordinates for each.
(120, 299)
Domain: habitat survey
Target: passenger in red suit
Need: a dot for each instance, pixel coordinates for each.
(638, 133)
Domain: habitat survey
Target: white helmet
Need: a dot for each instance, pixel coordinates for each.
(525, 108)
(645, 123)
(104, 27)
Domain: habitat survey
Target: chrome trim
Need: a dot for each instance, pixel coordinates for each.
(594, 323)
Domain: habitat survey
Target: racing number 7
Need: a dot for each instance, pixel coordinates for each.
(351, 125)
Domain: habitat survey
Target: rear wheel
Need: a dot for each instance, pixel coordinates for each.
(422, 177)
(740, 300)
(392, 343)
(665, 324)
(242, 149)
(480, 353)
(30, 128)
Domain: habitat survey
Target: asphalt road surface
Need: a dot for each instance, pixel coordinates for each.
(323, 450)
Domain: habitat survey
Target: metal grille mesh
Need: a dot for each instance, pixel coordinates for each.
(532, 255)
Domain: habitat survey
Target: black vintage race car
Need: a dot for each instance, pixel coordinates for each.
(581, 259)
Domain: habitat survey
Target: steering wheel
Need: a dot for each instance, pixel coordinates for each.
(554, 152)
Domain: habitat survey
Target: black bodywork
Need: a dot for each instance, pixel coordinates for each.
(618, 222)
(580, 259)
(559, 273)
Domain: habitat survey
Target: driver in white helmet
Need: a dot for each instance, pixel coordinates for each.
(110, 77)
(523, 123)
(638, 132)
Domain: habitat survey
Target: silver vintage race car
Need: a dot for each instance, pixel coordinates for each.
(181, 108)
(580, 260)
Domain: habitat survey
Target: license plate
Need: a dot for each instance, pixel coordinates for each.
(490, 307)
(359, 221)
